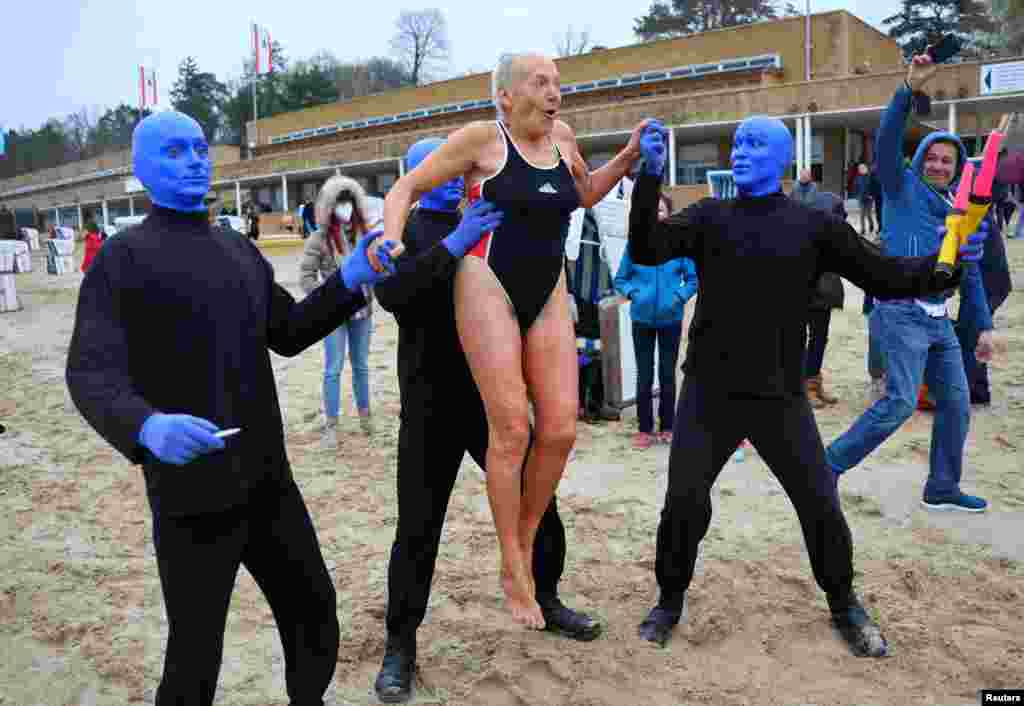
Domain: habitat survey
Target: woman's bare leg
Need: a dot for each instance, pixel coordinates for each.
(552, 379)
(490, 337)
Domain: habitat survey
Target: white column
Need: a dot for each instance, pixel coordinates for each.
(808, 144)
(952, 117)
(671, 157)
(56, 215)
(238, 198)
(131, 205)
(337, 171)
(401, 167)
(799, 146)
(106, 214)
(80, 224)
(284, 192)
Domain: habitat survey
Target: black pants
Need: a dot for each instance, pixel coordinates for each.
(817, 327)
(430, 450)
(198, 558)
(709, 426)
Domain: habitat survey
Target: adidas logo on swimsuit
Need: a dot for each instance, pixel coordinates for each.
(548, 189)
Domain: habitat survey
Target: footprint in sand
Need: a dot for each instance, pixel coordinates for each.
(544, 682)
(495, 690)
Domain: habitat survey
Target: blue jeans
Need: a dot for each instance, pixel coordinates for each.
(667, 340)
(357, 333)
(876, 356)
(916, 347)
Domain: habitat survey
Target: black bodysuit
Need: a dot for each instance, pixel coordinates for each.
(525, 252)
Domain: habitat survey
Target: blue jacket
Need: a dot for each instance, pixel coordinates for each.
(912, 211)
(659, 293)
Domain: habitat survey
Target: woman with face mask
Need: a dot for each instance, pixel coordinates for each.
(341, 214)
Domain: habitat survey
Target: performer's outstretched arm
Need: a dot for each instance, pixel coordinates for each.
(862, 262)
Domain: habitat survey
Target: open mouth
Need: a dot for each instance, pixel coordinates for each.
(551, 113)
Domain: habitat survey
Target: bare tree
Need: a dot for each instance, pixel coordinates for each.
(421, 44)
(572, 42)
(79, 127)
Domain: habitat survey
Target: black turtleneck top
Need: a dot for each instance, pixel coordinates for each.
(176, 316)
(758, 261)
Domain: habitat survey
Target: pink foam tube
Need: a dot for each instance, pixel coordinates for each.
(983, 185)
(964, 192)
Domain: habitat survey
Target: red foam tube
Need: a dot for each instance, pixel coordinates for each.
(983, 185)
(964, 192)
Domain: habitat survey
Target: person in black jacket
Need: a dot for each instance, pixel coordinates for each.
(170, 346)
(436, 387)
(997, 282)
(735, 390)
(828, 295)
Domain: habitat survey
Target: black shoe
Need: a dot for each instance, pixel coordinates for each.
(609, 413)
(568, 622)
(657, 626)
(394, 682)
(863, 636)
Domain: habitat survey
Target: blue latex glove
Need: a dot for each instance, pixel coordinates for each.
(357, 271)
(179, 438)
(654, 148)
(480, 218)
(974, 248)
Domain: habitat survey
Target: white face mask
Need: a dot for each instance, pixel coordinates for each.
(344, 212)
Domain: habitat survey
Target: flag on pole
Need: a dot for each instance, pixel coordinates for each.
(262, 48)
(147, 88)
(3, 143)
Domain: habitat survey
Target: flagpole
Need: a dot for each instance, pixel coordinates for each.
(255, 75)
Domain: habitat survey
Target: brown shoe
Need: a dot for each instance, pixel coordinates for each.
(823, 394)
(813, 387)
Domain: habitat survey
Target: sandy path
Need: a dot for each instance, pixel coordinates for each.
(81, 619)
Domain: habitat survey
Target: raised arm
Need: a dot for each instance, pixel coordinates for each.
(458, 156)
(594, 186)
(653, 242)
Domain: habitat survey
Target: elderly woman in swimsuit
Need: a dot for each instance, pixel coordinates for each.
(512, 308)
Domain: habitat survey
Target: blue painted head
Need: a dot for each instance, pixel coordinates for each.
(442, 198)
(171, 158)
(762, 150)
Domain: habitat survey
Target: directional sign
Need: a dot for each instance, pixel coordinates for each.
(1002, 78)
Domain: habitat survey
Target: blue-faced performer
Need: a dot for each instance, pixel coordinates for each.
(733, 390)
(170, 353)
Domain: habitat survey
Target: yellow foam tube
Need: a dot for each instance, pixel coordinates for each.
(950, 244)
(976, 213)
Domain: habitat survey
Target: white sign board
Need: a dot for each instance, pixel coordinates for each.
(133, 185)
(1002, 78)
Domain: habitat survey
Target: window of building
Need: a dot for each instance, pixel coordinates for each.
(693, 162)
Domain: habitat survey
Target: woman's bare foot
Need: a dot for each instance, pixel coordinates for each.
(520, 597)
(526, 541)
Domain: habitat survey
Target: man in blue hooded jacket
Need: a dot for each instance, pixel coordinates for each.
(917, 336)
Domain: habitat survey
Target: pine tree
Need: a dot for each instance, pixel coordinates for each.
(199, 95)
(923, 22)
(683, 17)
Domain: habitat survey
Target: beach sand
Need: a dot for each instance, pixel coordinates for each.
(82, 621)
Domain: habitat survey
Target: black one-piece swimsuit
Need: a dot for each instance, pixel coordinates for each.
(525, 252)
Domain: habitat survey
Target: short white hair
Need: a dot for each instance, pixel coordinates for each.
(507, 74)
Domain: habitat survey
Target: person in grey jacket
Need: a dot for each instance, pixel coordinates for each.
(805, 191)
(341, 214)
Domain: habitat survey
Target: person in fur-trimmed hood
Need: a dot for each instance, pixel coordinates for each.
(342, 216)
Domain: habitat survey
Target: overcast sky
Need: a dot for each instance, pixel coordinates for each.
(104, 41)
